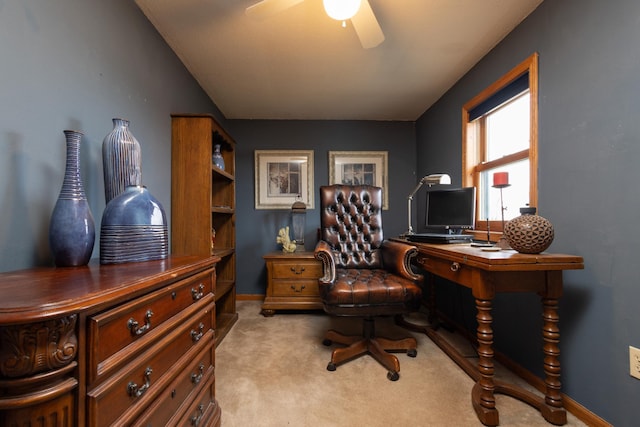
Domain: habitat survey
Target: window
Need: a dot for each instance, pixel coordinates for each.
(499, 134)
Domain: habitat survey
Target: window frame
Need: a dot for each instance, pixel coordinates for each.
(473, 141)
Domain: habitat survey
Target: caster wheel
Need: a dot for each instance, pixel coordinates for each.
(393, 376)
(327, 342)
(331, 366)
(412, 352)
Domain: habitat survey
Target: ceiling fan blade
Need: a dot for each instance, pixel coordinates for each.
(267, 8)
(367, 27)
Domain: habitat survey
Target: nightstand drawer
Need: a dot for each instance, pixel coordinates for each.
(297, 270)
(292, 282)
(293, 288)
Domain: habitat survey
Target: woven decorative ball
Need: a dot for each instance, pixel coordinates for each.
(529, 233)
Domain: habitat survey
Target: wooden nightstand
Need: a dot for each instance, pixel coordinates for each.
(292, 282)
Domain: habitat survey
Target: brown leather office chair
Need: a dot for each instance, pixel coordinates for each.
(363, 274)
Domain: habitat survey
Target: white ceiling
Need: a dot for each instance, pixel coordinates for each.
(301, 64)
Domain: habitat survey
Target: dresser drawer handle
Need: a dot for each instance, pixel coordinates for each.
(196, 294)
(297, 290)
(195, 378)
(455, 266)
(297, 270)
(133, 324)
(135, 390)
(195, 420)
(196, 335)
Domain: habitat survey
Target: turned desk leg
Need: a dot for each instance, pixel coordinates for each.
(482, 396)
(554, 412)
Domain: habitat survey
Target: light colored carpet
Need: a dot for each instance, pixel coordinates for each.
(271, 371)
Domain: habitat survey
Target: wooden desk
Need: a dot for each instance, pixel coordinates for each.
(488, 273)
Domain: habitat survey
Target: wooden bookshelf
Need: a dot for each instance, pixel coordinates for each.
(203, 198)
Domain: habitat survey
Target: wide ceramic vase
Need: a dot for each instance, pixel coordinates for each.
(134, 228)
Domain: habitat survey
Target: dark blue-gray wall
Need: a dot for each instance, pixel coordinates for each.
(77, 64)
(589, 153)
(257, 229)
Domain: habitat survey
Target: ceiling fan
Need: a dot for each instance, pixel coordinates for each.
(364, 20)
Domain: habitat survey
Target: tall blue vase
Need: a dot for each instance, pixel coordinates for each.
(72, 230)
(121, 159)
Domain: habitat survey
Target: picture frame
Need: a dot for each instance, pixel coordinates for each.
(281, 176)
(360, 167)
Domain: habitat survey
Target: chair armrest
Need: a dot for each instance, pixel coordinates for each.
(397, 257)
(323, 253)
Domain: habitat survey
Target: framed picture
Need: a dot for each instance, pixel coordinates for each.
(360, 168)
(282, 177)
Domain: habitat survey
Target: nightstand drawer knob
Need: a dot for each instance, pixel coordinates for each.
(455, 266)
(297, 270)
(297, 290)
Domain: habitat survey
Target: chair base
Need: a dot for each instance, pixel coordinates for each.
(368, 343)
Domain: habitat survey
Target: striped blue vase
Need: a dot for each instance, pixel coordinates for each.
(72, 229)
(121, 159)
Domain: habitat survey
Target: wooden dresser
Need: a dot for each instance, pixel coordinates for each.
(292, 282)
(126, 344)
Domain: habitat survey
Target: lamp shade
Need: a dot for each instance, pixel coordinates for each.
(341, 10)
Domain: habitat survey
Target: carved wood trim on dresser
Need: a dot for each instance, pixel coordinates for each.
(132, 344)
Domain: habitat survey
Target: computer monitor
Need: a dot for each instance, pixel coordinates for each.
(450, 211)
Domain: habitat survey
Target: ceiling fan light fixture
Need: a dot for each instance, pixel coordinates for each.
(341, 10)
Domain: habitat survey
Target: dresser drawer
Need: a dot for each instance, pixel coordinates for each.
(296, 270)
(295, 288)
(183, 391)
(203, 411)
(128, 391)
(140, 321)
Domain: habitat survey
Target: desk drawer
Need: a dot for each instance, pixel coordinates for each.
(138, 383)
(113, 330)
(449, 270)
(297, 270)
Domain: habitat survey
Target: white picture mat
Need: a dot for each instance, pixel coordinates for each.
(379, 160)
(268, 193)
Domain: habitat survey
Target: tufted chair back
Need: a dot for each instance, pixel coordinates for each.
(351, 223)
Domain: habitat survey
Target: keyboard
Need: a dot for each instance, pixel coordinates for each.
(440, 238)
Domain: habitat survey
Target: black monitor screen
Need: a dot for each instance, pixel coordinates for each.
(451, 210)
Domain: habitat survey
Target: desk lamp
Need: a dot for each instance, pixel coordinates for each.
(438, 178)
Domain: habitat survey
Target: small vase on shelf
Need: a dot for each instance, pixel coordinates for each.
(72, 229)
(217, 159)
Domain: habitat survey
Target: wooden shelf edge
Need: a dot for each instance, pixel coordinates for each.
(224, 323)
(222, 210)
(223, 173)
(223, 252)
(223, 287)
